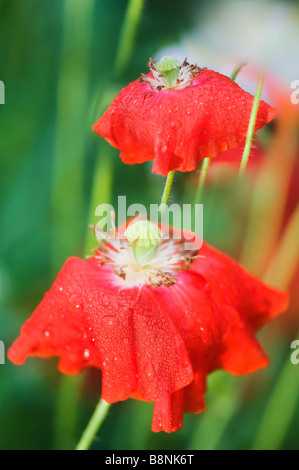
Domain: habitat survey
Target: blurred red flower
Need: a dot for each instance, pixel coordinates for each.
(201, 115)
(155, 331)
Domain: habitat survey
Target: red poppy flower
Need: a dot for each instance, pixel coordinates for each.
(179, 122)
(155, 330)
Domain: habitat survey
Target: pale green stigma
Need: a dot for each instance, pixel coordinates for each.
(169, 68)
(144, 237)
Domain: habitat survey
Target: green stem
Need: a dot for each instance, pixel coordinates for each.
(202, 179)
(93, 425)
(166, 192)
(237, 71)
(251, 127)
(128, 34)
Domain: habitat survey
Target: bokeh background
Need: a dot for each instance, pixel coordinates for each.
(62, 61)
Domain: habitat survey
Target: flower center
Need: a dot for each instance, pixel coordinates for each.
(168, 74)
(143, 257)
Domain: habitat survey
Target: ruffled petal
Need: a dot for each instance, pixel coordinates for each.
(194, 394)
(168, 412)
(242, 354)
(156, 344)
(231, 285)
(178, 128)
(125, 334)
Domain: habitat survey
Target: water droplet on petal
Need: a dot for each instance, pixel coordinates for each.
(117, 359)
(112, 359)
(48, 331)
(150, 372)
(176, 124)
(75, 303)
(189, 110)
(86, 354)
(106, 300)
(109, 321)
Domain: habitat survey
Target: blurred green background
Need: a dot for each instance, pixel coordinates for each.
(62, 61)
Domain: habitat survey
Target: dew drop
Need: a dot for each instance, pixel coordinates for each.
(75, 303)
(189, 110)
(117, 359)
(164, 148)
(109, 322)
(113, 359)
(150, 372)
(176, 124)
(86, 354)
(48, 331)
(106, 300)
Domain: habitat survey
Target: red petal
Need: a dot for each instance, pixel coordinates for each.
(242, 352)
(178, 128)
(168, 412)
(194, 400)
(125, 334)
(255, 301)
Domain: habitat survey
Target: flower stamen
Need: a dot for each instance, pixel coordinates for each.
(167, 260)
(168, 74)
